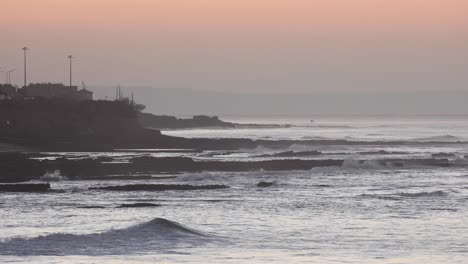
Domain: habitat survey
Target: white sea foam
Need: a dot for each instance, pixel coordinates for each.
(54, 176)
(365, 164)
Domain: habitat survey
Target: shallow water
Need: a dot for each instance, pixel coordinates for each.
(357, 213)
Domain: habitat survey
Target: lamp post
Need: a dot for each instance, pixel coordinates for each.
(25, 49)
(71, 60)
(9, 75)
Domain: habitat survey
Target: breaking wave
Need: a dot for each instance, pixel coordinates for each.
(155, 234)
(53, 177)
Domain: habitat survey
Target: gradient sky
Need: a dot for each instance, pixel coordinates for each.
(281, 46)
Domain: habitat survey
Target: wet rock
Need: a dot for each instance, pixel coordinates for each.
(159, 187)
(166, 164)
(420, 162)
(136, 205)
(287, 154)
(443, 155)
(381, 152)
(36, 187)
(264, 184)
(19, 167)
(322, 186)
(268, 165)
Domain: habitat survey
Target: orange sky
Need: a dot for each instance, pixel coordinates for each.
(203, 15)
(242, 45)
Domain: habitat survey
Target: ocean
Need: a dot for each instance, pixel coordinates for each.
(385, 204)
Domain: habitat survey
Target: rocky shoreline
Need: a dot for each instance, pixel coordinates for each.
(21, 167)
(57, 125)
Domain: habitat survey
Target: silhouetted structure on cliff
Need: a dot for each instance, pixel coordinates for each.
(56, 90)
(49, 122)
(8, 91)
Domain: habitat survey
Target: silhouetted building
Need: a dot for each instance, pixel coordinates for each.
(56, 90)
(84, 94)
(8, 91)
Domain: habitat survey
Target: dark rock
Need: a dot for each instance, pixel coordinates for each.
(293, 154)
(264, 184)
(168, 164)
(36, 187)
(322, 185)
(58, 123)
(159, 187)
(171, 122)
(443, 155)
(415, 162)
(381, 152)
(19, 167)
(136, 205)
(268, 165)
(91, 207)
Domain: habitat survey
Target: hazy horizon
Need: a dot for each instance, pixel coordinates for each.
(187, 102)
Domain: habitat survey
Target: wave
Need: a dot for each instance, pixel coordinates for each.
(394, 163)
(381, 197)
(402, 195)
(423, 194)
(368, 164)
(315, 138)
(155, 234)
(53, 177)
(460, 161)
(331, 126)
(443, 138)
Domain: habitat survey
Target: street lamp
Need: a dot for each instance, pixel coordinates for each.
(9, 75)
(25, 49)
(71, 59)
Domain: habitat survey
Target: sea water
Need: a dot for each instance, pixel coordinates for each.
(364, 211)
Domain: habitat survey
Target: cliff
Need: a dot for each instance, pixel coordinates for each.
(52, 122)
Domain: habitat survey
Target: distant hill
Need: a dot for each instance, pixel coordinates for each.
(187, 102)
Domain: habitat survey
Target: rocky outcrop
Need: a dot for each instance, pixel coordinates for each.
(264, 184)
(18, 167)
(21, 167)
(443, 155)
(37, 187)
(287, 154)
(172, 122)
(138, 205)
(53, 124)
(159, 187)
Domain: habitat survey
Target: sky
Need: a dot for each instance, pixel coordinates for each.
(245, 46)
